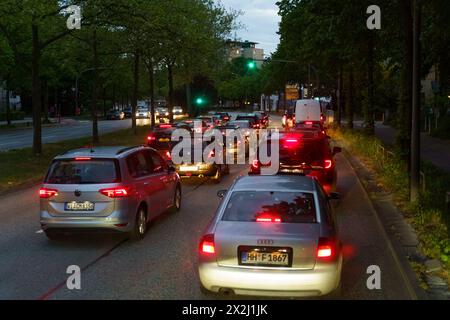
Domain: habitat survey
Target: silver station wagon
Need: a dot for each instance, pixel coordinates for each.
(108, 189)
(272, 236)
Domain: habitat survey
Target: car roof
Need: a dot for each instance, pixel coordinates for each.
(98, 152)
(286, 183)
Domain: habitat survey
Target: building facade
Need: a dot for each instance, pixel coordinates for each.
(245, 49)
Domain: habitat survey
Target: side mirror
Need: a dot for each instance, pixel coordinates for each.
(337, 150)
(334, 196)
(221, 193)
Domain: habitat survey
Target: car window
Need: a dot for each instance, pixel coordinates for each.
(138, 165)
(289, 207)
(159, 164)
(93, 171)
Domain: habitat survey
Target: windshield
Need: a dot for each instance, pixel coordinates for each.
(289, 207)
(83, 172)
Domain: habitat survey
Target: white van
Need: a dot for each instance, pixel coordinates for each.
(307, 110)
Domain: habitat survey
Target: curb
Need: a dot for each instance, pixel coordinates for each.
(397, 251)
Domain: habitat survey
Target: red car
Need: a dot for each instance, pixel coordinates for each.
(160, 140)
(305, 152)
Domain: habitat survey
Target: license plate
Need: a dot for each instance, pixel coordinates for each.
(79, 206)
(189, 168)
(275, 257)
(164, 140)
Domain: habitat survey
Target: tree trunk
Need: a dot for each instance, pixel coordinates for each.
(95, 137)
(8, 103)
(188, 99)
(104, 101)
(45, 102)
(170, 76)
(350, 101)
(135, 91)
(113, 96)
(36, 91)
(416, 92)
(151, 78)
(370, 105)
(405, 101)
(340, 97)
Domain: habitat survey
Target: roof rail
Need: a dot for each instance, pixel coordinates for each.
(84, 147)
(129, 148)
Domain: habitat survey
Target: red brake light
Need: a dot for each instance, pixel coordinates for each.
(325, 248)
(46, 193)
(308, 123)
(151, 138)
(268, 218)
(324, 252)
(82, 158)
(165, 126)
(118, 192)
(328, 164)
(207, 244)
(255, 164)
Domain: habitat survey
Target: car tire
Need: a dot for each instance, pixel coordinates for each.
(218, 176)
(140, 225)
(205, 291)
(177, 199)
(53, 235)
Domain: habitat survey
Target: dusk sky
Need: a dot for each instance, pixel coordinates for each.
(260, 19)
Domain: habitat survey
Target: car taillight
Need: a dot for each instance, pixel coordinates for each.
(46, 193)
(255, 164)
(328, 164)
(82, 158)
(151, 138)
(308, 123)
(268, 218)
(165, 126)
(226, 118)
(325, 248)
(118, 192)
(207, 244)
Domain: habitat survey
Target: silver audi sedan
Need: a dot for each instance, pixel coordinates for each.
(272, 236)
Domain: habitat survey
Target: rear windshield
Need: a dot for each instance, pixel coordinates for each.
(289, 207)
(83, 172)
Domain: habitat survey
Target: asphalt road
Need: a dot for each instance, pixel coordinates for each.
(23, 138)
(164, 264)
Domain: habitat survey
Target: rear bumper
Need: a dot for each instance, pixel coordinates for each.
(115, 222)
(319, 281)
(207, 172)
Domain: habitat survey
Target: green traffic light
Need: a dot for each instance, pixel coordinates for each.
(199, 101)
(251, 65)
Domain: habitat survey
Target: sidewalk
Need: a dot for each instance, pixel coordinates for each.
(434, 150)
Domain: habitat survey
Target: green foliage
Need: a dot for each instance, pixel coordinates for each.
(14, 115)
(428, 216)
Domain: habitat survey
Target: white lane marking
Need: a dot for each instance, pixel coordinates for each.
(40, 231)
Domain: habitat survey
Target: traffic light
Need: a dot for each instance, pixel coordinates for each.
(251, 64)
(199, 101)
